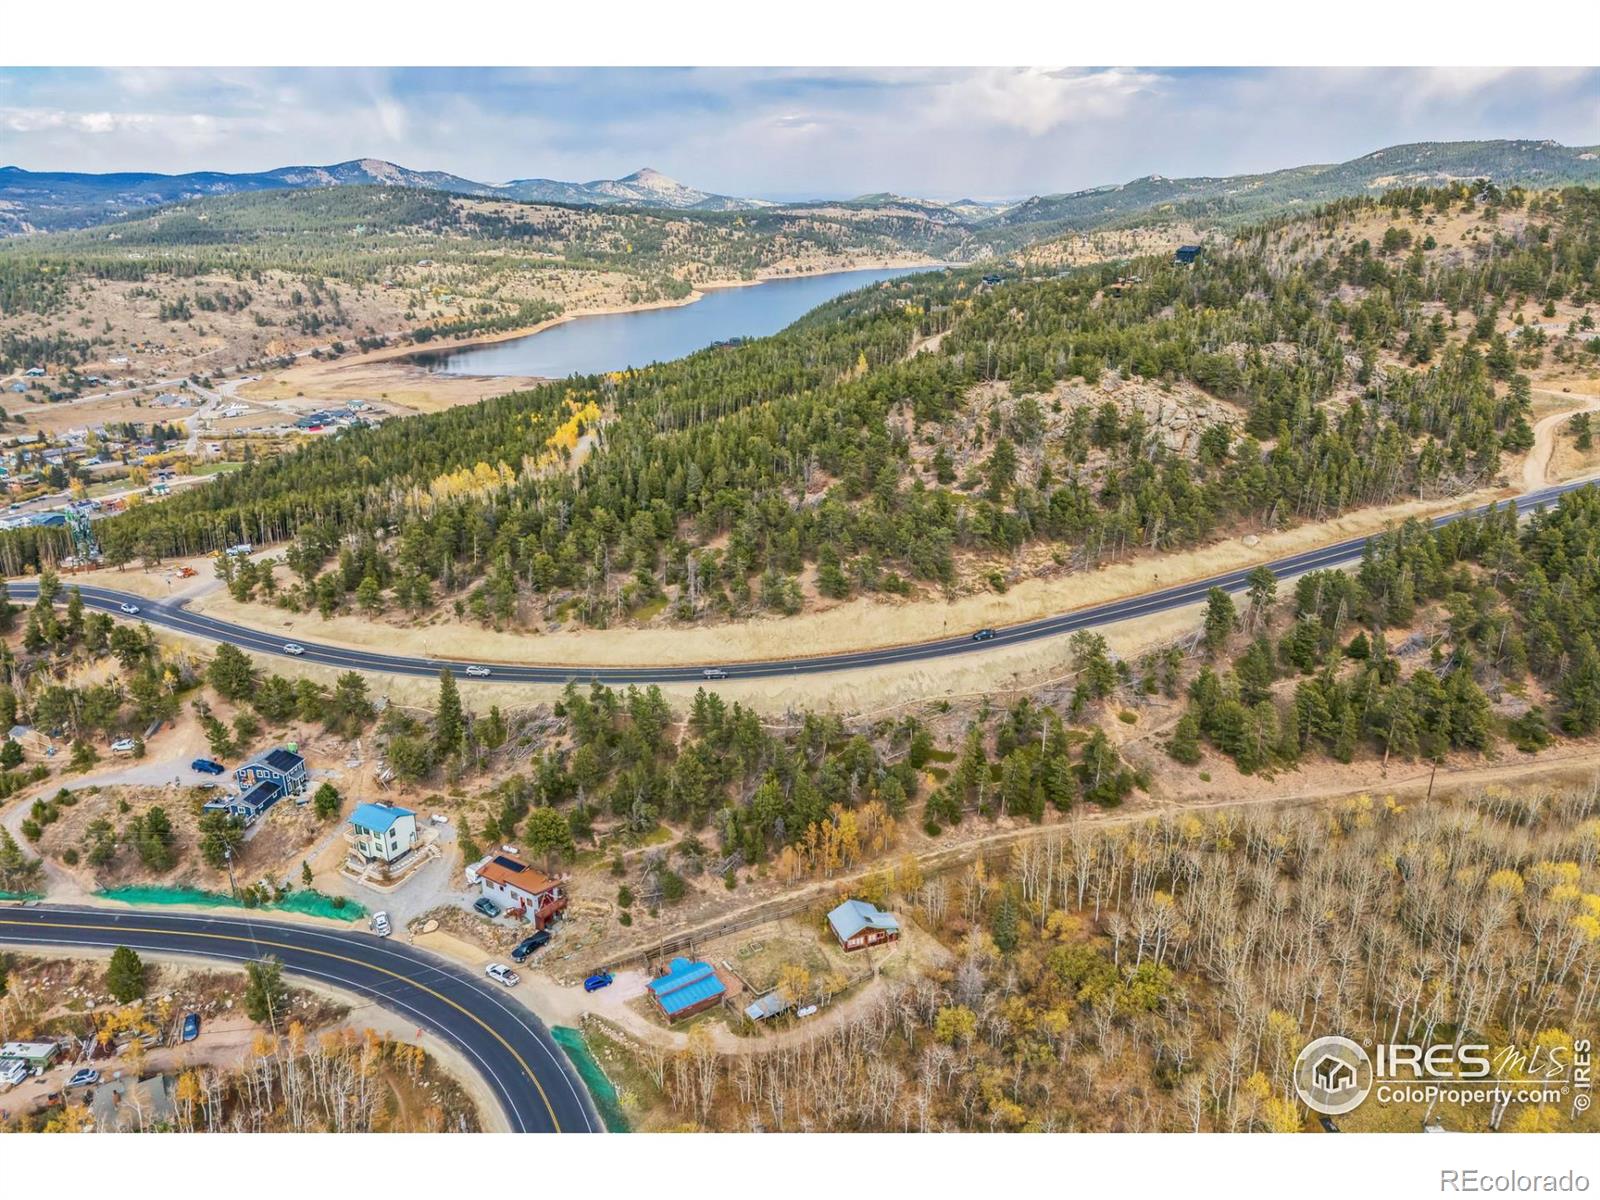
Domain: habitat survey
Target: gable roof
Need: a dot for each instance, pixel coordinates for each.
(513, 872)
(851, 917)
(686, 984)
(378, 817)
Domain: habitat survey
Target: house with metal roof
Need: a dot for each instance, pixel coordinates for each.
(687, 987)
(1185, 255)
(857, 924)
(382, 833)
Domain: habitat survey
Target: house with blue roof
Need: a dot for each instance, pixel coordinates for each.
(1185, 256)
(858, 924)
(381, 833)
(686, 988)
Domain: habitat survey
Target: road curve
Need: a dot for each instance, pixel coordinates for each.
(173, 615)
(536, 1086)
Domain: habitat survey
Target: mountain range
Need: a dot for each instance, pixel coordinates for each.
(34, 201)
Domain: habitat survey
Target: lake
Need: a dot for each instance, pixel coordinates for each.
(613, 341)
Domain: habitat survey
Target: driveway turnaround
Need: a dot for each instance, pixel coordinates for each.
(535, 1084)
(173, 615)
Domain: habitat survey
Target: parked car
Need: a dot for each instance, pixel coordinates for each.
(207, 767)
(439, 819)
(478, 671)
(487, 907)
(191, 1027)
(529, 944)
(983, 635)
(380, 924)
(122, 746)
(131, 609)
(713, 673)
(501, 973)
(84, 1077)
(597, 981)
(293, 648)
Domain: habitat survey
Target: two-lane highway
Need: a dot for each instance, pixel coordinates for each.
(173, 615)
(528, 1074)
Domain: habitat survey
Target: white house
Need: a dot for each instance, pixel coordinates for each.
(382, 832)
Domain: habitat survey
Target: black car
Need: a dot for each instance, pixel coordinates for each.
(529, 944)
(983, 635)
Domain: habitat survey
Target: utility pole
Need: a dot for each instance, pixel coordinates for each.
(227, 857)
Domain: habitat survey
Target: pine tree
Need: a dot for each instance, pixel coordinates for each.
(1185, 744)
(125, 976)
(449, 726)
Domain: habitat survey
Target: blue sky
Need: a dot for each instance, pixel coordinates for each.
(784, 133)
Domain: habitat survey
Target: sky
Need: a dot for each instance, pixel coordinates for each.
(789, 133)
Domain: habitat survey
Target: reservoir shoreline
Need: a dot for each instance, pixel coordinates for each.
(432, 356)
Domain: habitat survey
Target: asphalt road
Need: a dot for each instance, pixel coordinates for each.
(173, 615)
(530, 1076)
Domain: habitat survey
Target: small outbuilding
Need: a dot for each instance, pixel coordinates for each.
(34, 1054)
(858, 924)
(1185, 256)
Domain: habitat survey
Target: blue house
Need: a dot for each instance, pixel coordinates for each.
(263, 781)
(687, 987)
(282, 768)
(1185, 255)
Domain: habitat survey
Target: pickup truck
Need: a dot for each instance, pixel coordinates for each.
(207, 767)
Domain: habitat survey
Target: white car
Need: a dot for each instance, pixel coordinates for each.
(380, 924)
(439, 819)
(478, 671)
(501, 973)
(131, 609)
(293, 648)
(122, 746)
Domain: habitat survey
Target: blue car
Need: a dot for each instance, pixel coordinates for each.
(597, 981)
(191, 1027)
(207, 767)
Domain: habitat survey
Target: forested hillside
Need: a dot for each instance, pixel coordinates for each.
(241, 279)
(1164, 975)
(915, 435)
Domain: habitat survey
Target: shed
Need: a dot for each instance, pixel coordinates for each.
(769, 1005)
(686, 988)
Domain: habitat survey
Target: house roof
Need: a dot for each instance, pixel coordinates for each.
(851, 917)
(513, 872)
(378, 817)
(281, 759)
(126, 1104)
(686, 984)
(260, 796)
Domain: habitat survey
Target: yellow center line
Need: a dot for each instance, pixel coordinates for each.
(228, 937)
